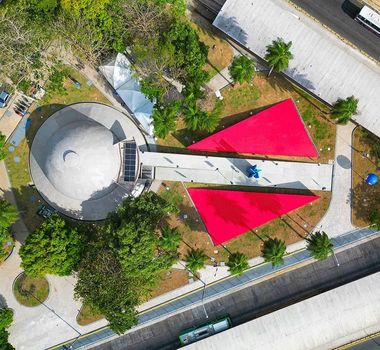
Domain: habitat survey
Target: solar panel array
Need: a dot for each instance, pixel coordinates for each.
(130, 161)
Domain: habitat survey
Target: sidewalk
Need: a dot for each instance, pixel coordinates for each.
(338, 217)
(226, 285)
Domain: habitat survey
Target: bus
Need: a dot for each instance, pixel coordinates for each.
(370, 19)
(191, 335)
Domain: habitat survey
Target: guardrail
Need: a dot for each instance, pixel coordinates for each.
(215, 289)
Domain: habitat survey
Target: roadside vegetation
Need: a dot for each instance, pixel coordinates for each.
(8, 216)
(6, 319)
(365, 160)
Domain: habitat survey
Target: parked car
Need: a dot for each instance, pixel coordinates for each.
(4, 97)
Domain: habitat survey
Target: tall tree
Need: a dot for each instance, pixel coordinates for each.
(320, 245)
(104, 286)
(237, 263)
(170, 239)
(131, 231)
(195, 259)
(274, 250)
(165, 118)
(6, 319)
(242, 69)
(8, 214)
(53, 248)
(278, 55)
(343, 110)
(196, 119)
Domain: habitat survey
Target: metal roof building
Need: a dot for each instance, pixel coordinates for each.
(322, 63)
(325, 321)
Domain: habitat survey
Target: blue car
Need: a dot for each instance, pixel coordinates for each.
(4, 97)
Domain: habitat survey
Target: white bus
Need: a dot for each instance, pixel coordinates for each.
(369, 18)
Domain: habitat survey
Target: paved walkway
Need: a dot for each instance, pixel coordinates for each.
(232, 171)
(338, 217)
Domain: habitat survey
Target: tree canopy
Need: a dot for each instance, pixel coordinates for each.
(123, 262)
(274, 250)
(6, 319)
(242, 69)
(343, 110)
(278, 55)
(320, 245)
(104, 286)
(8, 214)
(3, 153)
(53, 248)
(237, 263)
(195, 259)
(165, 118)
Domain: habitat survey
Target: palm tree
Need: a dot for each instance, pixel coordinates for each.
(196, 119)
(242, 69)
(274, 250)
(278, 55)
(2, 146)
(8, 214)
(170, 239)
(343, 110)
(165, 118)
(237, 263)
(195, 259)
(320, 245)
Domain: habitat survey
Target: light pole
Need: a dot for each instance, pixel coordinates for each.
(203, 291)
(336, 259)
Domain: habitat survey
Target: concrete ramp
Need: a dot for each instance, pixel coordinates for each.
(233, 171)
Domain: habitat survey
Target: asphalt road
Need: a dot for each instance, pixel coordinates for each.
(372, 344)
(259, 299)
(336, 14)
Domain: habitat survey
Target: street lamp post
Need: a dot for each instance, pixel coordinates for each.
(203, 291)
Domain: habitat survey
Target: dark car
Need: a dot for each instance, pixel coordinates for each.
(4, 97)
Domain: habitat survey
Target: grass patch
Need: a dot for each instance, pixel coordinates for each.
(365, 159)
(30, 291)
(219, 52)
(87, 315)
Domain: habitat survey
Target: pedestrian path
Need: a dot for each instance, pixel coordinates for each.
(337, 220)
(233, 171)
(227, 284)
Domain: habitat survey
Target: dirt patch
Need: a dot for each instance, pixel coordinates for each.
(365, 160)
(291, 227)
(86, 316)
(170, 280)
(219, 51)
(30, 291)
(242, 100)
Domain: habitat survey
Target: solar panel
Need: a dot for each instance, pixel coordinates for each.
(130, 161)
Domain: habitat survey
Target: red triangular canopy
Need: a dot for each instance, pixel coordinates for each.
(278, 130)
(227, 214)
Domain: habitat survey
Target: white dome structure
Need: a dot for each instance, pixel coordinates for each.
(83, 160)
(77, 162)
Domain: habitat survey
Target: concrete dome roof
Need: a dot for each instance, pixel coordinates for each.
(75, 160)
(83, 160)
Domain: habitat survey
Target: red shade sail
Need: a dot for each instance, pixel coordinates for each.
(278, 130)
(227, 214)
